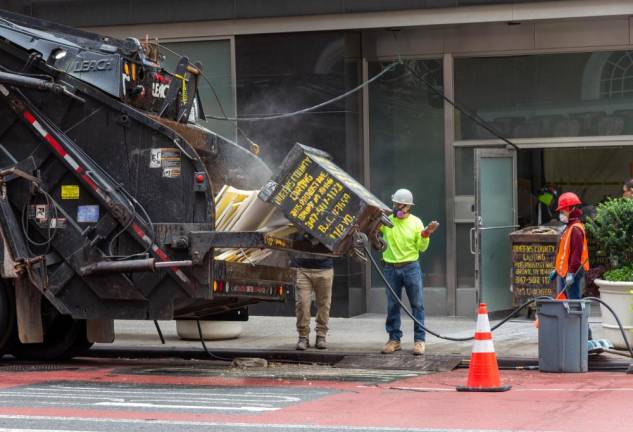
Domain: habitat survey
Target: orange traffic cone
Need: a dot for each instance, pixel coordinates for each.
(483, 373)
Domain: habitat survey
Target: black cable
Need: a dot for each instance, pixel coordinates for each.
(408, 312)
(617, 319)
(301, 111)
(50, 207)
(499, 324)
(204, 345)
(160, 333)
(474, 117)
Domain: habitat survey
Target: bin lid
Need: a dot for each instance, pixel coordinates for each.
(537, 234)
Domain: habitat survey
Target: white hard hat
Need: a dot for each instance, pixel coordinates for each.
(402, 196)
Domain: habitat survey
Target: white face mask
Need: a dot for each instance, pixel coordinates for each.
(563, 218)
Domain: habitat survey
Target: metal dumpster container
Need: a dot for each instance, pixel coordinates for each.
(533, 259)
(316, 195)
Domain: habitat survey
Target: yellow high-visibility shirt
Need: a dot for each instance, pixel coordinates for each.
(404, 242)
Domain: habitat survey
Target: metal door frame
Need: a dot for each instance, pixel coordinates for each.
(478, 225)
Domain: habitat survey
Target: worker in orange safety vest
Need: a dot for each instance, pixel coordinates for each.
(572, 257)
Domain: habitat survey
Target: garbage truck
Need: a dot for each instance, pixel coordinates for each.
(108, 181)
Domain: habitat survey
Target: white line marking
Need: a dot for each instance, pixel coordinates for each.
(95, 399)
(234, 425)
(184, 407)
(247, 395)
(581, 390)
(38, 430)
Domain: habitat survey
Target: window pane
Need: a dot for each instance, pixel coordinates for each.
(407, 150)
(464, 171)
(282, 74)
(465, 259)
(277, 74)
(551, 95)
(215, 57)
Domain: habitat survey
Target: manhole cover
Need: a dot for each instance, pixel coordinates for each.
(400, 361)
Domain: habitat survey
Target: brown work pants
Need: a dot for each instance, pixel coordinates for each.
(318, 281)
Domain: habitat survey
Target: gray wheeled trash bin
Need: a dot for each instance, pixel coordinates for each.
(562, 335)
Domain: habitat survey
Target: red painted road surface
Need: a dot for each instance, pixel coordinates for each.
(593, 402)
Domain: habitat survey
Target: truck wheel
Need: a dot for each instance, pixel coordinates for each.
(61, 334)
(7, 319)
(81, 344)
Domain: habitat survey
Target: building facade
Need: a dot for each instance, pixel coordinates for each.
(554, 77)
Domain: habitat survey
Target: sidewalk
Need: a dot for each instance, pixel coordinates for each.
(517, 338)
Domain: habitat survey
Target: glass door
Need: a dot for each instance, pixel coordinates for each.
(495, 219)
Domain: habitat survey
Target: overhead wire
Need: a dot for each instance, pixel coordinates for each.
(288, 114)
(312, 108)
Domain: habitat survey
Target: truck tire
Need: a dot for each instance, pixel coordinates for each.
(81, 345)
(61, 334)
(7, 318)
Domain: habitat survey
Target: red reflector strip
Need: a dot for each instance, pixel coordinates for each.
(29, 117)
(59, 149)
(56, 146)
(137, 230)
(75, 166)
(159, 252)
(89, 181)
(483, 336)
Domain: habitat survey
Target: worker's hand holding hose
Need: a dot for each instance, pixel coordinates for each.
(569, 279)
(430, 229)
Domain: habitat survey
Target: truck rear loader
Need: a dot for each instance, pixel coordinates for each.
(107, 183)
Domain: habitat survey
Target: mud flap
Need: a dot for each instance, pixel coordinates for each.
(28, 304)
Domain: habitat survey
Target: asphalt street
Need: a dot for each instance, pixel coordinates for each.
(161, 395)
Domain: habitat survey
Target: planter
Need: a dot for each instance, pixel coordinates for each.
(211, 330)
(618, 296)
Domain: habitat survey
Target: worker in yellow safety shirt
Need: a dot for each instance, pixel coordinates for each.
(405, 240)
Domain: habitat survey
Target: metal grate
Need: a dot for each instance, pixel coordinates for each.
(400, 361)
(44, 367)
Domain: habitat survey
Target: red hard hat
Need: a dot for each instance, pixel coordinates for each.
(568, 199)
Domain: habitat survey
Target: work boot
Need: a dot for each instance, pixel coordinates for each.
(320, 342)
(302, 344)
(418, 348)
(391, 346)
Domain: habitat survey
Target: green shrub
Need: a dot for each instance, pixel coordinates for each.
(621, 274)
(611, 230)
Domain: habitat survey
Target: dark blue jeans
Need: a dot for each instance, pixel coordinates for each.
(409, 276)
(574, 291)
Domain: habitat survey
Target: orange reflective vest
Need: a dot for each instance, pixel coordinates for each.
(562, 257)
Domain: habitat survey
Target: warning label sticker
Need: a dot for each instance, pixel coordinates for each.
(88, 213)
(168, 159)
(70, 192)
(58, 223)
(41, 212)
